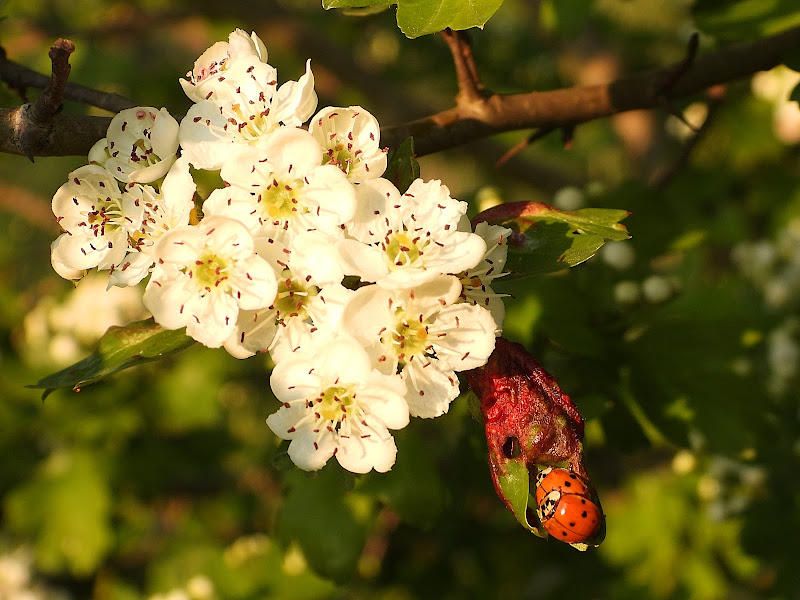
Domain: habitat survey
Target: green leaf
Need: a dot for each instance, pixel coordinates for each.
(119, 348)
(402, 166)
(514, 482)
(66, 508)
(733, 21)
(549, 239)
(319, 515)
(421, 17)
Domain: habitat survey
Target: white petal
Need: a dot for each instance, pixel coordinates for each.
(64, 270)
(385, 396)
(430, 389)
(255, 331)
(295, 378)
(310, 451)
(296, 101)
(255, 282)
(202, 137)
(166, 302)
(459, 251)
(366, 262)
(212, 319)
(361, 455)
(368, 313)
(464, 336)
(314, 254)
(373, 200)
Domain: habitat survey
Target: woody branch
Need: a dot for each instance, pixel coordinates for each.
(480, 114)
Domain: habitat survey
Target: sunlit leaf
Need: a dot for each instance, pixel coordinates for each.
(119, 348)
(421, 17)
(547, 239)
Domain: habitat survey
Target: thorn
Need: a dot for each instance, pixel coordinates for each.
(533, 137)
(679, 70)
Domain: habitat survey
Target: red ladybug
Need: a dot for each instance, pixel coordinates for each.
(561, 480)
(565, 506)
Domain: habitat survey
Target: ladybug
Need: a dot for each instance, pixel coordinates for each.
(562, 480)
(565, 506)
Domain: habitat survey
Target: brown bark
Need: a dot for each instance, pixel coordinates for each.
(475, 116)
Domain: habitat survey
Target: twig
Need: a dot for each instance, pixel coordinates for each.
(20, 77)
(469, 85)
(680, 69)
(74, 135)
(35, 120)
(716, 96)
(532, 138)
(579, 104)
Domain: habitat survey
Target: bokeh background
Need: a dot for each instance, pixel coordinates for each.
(680, 346)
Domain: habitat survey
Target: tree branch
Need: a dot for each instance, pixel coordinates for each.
(571, 106)
(41, 129)
(485, 116)
(470, 88)
(20, 77)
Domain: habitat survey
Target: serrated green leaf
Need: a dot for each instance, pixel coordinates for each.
(402, 166)
(421, 17)
(549, 239)
(733, 21)
(65, 507)
(119, 348)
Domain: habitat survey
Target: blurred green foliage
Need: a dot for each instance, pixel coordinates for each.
(680, 346)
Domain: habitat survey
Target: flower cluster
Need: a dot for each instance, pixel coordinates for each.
(369, 299)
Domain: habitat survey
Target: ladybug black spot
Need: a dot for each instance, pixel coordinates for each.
(584, 514)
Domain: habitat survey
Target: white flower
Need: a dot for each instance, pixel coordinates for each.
(164, 210)
(97, 219)
(204, 275)
(302, 309)
(253, 110)
(476, 282)
(210, 73)
(351, 137)
(336, 404)
(410, 239)
(421, 334)
(140, 146)
(284, 187)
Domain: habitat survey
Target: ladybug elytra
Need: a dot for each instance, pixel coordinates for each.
(565, 506)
